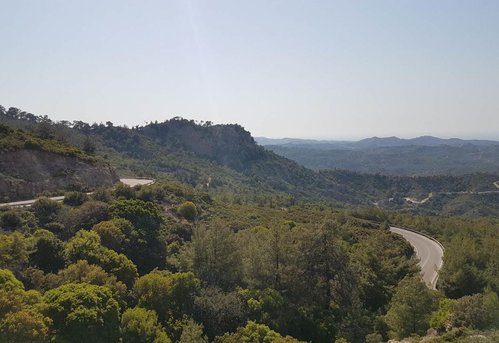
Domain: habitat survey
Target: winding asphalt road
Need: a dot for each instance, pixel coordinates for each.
(429, 251)
(26, 203)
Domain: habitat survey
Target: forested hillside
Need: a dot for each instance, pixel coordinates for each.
(471, 194)
(225, 161)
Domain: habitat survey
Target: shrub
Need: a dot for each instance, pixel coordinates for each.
(45, 210)
(75, 198)
(122, 191)
(188, 210)
(10, 220)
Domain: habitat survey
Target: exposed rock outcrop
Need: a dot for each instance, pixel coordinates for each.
(26, 173)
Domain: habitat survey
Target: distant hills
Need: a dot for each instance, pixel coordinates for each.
(421, 156)
(226, 162)
(374, 142)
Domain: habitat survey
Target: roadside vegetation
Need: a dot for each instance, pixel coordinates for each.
(166, 263)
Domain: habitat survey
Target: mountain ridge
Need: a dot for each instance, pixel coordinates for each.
(375, 142)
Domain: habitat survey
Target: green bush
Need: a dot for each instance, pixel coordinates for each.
(10, 220)
(75, 198)
(188, 210)
(141, 325)
(122, 191)
(45, 210)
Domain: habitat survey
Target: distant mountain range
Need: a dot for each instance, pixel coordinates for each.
(374, 142)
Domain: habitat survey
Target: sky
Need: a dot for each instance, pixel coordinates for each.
(304, 69)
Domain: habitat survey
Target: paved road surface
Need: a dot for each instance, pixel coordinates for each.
(414, 201)
(429, 252)
(136, 182)
(129, 182)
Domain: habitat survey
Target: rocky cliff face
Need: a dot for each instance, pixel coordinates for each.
(25, 173)
(228, 145)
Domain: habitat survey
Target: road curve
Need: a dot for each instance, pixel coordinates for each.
(25, 203)
(429, 252)
(137, 182)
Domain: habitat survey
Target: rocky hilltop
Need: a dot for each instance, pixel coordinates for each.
(229, 145)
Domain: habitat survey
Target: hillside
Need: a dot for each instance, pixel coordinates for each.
(31, 165)
(226, 162)
(470, 194)
(221, 159)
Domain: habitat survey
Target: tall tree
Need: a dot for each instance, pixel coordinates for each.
(216, 258)
(325, 266)
(147, 249)
(410, 308)
(265, 255)
(170, 295)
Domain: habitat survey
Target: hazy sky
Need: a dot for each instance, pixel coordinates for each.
(323, 69)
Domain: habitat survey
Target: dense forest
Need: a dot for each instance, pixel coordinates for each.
(235, 244)
(165, 263)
